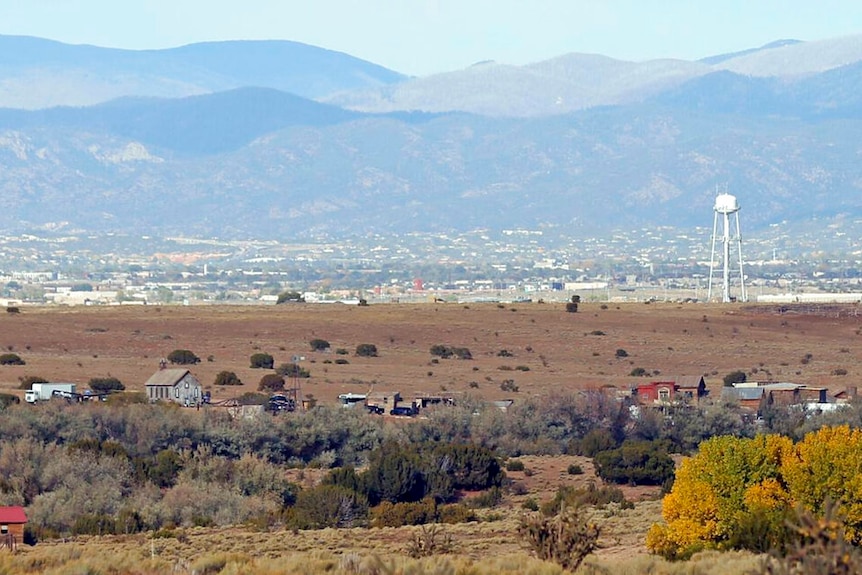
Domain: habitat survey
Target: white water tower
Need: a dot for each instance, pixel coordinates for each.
(725, 206)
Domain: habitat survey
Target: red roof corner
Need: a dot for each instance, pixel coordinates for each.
(12, 515)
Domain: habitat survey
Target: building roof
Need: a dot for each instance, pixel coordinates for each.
(743, 393)
(690, 380)
(167, 377)
(12, 515)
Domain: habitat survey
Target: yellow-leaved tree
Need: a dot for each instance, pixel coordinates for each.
(827, 466)
(729, 483)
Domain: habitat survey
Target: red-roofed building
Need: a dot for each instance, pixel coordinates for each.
(12, 521)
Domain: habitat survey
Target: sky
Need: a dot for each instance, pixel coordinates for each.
(422, 37)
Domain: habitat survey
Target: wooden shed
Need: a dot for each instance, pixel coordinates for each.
(12, 521)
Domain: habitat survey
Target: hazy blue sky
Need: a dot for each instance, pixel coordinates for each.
(426, 36)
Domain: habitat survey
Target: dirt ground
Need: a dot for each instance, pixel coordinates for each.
(550, 349)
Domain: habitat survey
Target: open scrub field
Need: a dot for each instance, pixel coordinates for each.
(517, 349)
(81, 468)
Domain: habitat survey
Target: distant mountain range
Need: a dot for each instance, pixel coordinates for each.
(278, 139)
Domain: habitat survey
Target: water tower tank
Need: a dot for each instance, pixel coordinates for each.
(726, 204)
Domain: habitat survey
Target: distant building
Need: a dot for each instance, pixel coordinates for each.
(177, 385)
(12, 521)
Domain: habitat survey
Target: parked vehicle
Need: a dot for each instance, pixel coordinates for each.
(45, 391)
(407, 411)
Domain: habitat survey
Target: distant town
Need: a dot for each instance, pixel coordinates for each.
(819, 262)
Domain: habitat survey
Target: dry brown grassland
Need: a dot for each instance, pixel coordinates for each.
(560, 351)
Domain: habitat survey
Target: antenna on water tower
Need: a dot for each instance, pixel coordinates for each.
(725, 206)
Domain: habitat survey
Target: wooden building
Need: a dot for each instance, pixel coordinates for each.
(12, 521)
(177, 385)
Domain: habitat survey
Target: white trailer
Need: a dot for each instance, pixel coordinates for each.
(45, 391)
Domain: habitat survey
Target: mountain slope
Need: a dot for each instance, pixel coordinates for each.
(38, 73)
(639, 165)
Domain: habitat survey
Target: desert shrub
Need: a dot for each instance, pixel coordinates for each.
(839, 371)
(530, 504)
(487, 499)
(11, 359)
(7, 399)
(566, 539)
(428, 541)
(509, 385)
(621, 353)
(591, 495)
(328, 506)
(505, 353)
(409, 513)
(574, 469)
(514, 465)
(440, 350)
(13, 309)
(341, 361)
(737, 376)
(638, 372)
(343, 477)
(183, 357)
(597, 332)
(446, 351)
(455, 513)
(27, 381)
(292, 370)
(318, 344)
(572, 307)
(106, 384)
(92, 524)
(635, 463)
(594, 442)
(341, 351)
(394, 474)
(289, 296)
(522, 368)
(227, 378)
(271, 382)
(261, 361)
(366, 350)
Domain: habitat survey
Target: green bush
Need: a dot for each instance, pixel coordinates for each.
(227, 378)
(289, 296)
(397, 514)
(292, 370)
(11, 359)
(319, 344)
(599, 497)
(620, 353)
(7, 399)
(594, 442)
(575, 469)
(328, 506)
(366, 350)
(635, 463)
(106, 384)
(183, 357)
(734, 377)
(271, 382)
(261, 361)
(514, 465)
